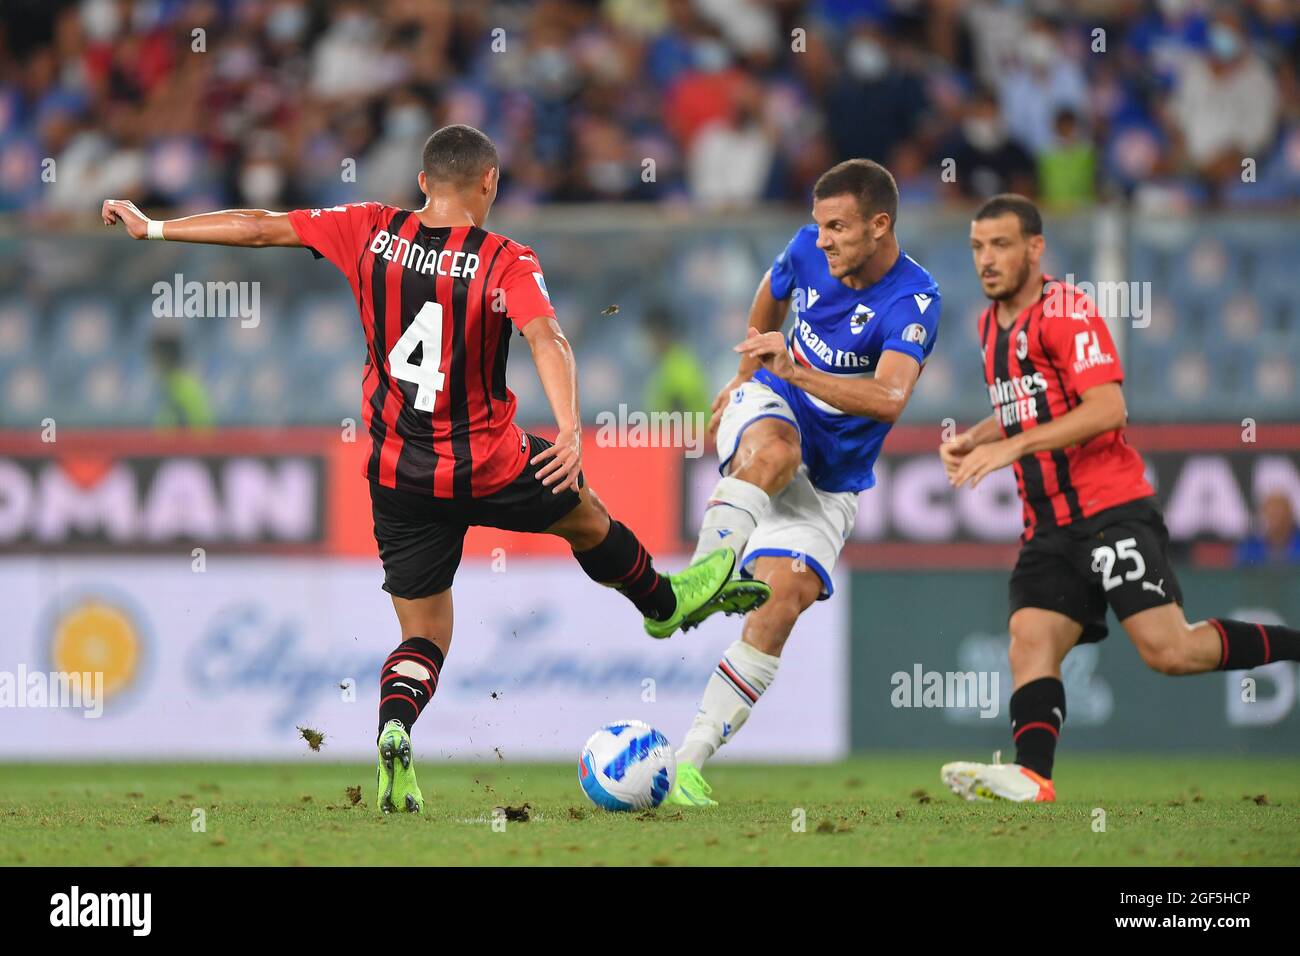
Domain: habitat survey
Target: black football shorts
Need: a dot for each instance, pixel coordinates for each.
(421, 537)
(1117, 558)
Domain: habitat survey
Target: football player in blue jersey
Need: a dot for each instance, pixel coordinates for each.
(800, 426)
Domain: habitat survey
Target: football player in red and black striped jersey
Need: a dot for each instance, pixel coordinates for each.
(438, 297)
(1093, 535)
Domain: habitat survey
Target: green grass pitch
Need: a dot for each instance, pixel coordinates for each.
(873, 809)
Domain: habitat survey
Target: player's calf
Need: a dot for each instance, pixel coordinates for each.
(1170, 645)
(1040, 639)
(407, 683)
(611, 555)
(770, 626)
(749, 666)
(1244, 644)
(739, 680)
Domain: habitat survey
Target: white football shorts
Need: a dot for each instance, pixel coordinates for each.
(804, 522)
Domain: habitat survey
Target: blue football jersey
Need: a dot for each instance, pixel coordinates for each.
(843, 331)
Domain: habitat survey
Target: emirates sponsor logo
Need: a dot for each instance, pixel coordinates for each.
(1015, 399)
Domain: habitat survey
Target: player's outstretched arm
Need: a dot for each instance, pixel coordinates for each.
(559, 375)
(229, 227)
(766, 314)
(1101, 410)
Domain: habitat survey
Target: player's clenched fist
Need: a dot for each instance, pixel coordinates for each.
(136, 222)
(953, 451)
(984, 460)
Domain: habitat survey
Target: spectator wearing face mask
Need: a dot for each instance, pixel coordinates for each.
(1043, 80)
(986, 159)
(729, 163)
(1225, 103)
(877, 103)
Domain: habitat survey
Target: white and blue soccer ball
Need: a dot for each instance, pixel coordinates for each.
(627, 765)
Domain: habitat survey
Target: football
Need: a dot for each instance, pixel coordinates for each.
(627, 765)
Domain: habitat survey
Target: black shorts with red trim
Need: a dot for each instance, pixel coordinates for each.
(1118, 558)
(421, 538)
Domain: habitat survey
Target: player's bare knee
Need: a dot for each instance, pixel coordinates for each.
(586, 525)
(770, 463)
(1031, 649)
(1166, 651)
(590, 498)
(790, 598)
(1164, 657)
(768, 628)
(1164, 642)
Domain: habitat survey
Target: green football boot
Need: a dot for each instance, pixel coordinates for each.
(395, 778)
(691, 789)
(694, 587)
(738, 596)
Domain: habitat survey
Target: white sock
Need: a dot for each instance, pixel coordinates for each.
(733, 511)
(740, 679)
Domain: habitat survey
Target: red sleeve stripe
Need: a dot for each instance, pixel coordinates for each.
(1037, 724)
(391, 450)
(445, 472)
(1223, 639)
(1263, 636)
(488, 347)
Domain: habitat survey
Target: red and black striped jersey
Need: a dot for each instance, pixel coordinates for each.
(437, 307)
(1037, 369)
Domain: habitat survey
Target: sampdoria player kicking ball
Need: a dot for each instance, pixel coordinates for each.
(1093, 535)
(801, 424)
(445, 452)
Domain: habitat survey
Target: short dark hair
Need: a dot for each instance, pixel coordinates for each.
(458, 155)
(870, 183)
(1031, 220)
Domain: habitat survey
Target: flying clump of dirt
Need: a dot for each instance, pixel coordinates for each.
(315, 739)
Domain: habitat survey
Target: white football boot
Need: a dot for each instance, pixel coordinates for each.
(997, 781)
(959, 777)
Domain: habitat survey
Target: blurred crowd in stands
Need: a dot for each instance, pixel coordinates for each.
(192, 104)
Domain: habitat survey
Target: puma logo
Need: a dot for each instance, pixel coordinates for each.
(413, 690)
(1158, 588)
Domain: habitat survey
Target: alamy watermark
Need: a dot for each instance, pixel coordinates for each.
(637, 429)
(946, 689)
(1113, 300)
(179, 299)
(72, 690)
(128, 910)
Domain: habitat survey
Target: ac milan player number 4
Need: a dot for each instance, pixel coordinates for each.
(438, 296)
(1093, 536)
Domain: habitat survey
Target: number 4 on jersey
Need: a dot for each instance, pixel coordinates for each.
(425, 330)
